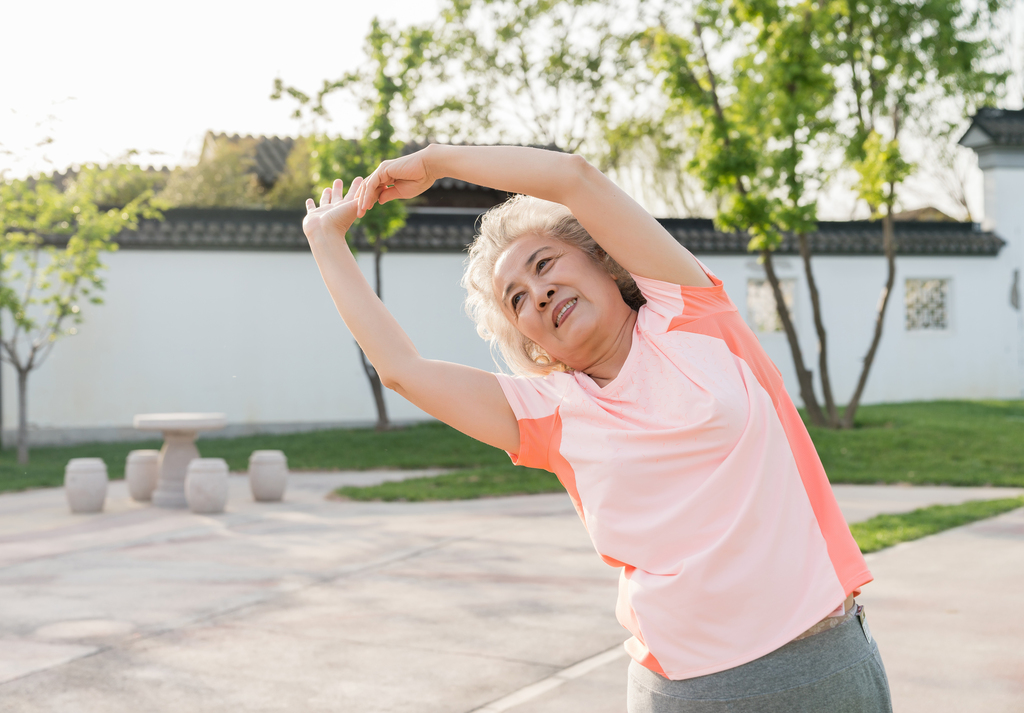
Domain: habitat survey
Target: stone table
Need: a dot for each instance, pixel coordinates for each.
(180, 431)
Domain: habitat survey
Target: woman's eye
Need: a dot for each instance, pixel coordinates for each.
(542, 263)
(515, 301)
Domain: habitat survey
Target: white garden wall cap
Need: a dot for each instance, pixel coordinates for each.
(180, 421)
(441, 231)
(995, 127)
(452, 232)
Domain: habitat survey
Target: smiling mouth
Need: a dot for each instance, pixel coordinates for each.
(565, 309)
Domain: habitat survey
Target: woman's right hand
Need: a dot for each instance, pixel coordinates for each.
(404, 178)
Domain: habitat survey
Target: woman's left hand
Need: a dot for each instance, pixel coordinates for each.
(335, 215)
(404, 177)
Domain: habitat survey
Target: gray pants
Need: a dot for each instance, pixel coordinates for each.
(836, 671)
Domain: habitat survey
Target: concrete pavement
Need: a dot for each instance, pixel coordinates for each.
(487, 605)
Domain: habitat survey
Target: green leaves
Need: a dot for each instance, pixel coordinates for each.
(52, 242)
(880, 170)
(773, 97)
(536, 71)
(753, 88)
(337, 157)
(223, 177)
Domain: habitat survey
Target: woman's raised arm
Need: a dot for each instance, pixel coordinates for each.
(465, 398)
(619, 224)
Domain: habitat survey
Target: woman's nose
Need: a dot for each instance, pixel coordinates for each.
(547, 298)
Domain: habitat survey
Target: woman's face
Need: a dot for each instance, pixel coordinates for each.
(557, 296)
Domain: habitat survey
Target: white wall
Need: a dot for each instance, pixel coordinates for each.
(975, 358)
(1004, 190)
(252, 334)
(255, 335)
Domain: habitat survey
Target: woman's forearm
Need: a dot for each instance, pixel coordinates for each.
(465, 398)
(545, 174)
(378, 334)
(619, 224)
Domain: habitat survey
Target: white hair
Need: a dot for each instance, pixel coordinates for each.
(499, 228)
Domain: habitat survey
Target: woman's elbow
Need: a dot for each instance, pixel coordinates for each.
(580, 176)
(389, 381)
(579, 167)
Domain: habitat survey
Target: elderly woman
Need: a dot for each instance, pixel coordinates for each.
(641, 388)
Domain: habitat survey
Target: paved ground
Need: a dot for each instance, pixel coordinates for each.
(488, 605)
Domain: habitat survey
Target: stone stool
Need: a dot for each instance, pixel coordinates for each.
(85, 484)
(141, 472)
(206, 485)
(268, 475)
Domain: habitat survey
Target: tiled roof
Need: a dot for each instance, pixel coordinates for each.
(1005, 127)
(62, 179)
(847, 238)
(271, 153)
(440, 231)
(271, 157)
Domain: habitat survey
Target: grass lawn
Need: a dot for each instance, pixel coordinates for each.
(884, 531)
(429, 445)
(489, 481)
(936, 442)
(941, 442)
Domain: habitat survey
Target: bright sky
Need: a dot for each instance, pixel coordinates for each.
(107, 76)
(154, 77)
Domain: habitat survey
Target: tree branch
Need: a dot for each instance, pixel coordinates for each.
(804, 377)
(711, 77)
(889, 245)
(819, 327)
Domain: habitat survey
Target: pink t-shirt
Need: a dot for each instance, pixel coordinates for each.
(693, 471)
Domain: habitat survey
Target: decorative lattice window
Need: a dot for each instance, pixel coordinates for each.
(927, 304)
(761, 304)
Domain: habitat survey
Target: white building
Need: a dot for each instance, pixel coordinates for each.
(224, 310)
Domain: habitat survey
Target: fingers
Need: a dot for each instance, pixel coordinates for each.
(362, 192)
(353, 189)
(355, 193)
(335, 193)
(373, 186)
(388, 194)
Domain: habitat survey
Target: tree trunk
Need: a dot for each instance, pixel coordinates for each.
(819, 327)
(889, 246)
(383, 424)
(805, 378)
(22, 416)
(378, 393)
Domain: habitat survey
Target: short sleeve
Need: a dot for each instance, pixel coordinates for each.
(668, 304)
(535, 403)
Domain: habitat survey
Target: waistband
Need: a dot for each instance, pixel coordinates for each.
(831, 622)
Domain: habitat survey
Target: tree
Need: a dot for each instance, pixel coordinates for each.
(755, 95)
(223, 176)
(295, 184)
(387, 89)
(52, 242)
(546, 72)
(902, 59)
(768, 87)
